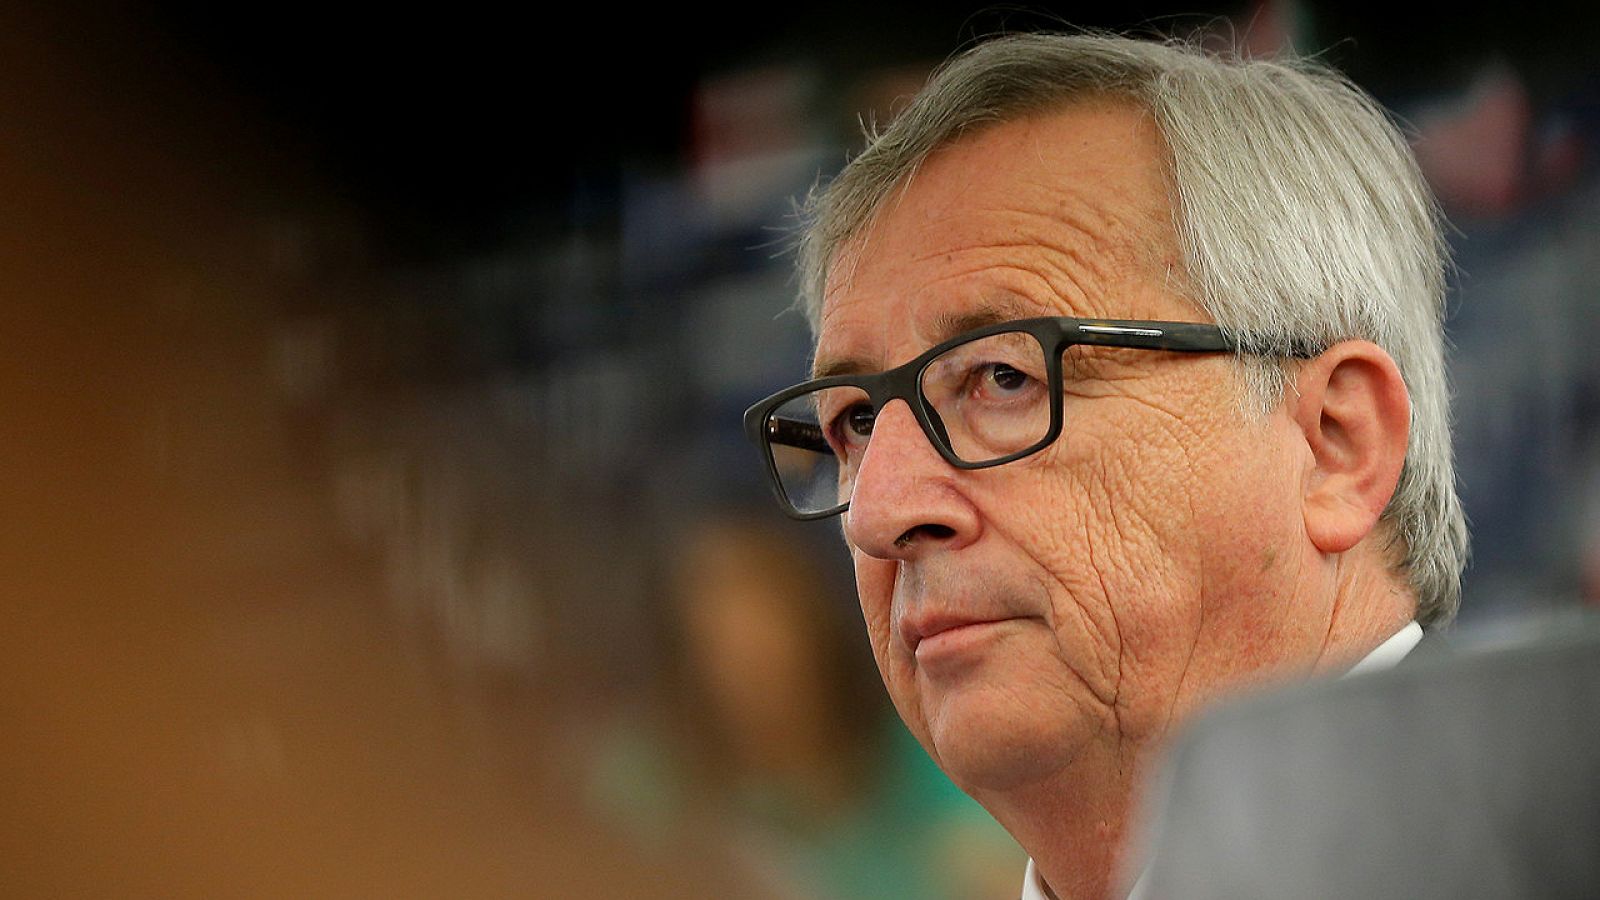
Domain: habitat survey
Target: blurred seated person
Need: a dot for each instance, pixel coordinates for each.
(768, 738)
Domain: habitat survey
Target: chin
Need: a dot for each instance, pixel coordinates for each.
(991, 751)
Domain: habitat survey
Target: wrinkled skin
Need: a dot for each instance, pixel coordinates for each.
(1154, 555)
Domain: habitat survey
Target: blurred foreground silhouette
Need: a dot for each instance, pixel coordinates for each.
(205, 691)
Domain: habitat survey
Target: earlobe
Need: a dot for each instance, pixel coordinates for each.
(1355, 414)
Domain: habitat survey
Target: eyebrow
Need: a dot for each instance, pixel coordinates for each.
(945, 327)
(994, 312)
(850, 365)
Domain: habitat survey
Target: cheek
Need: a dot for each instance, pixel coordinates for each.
(875, 588)
(1112, 505)
(875, 580)
(1116, 518)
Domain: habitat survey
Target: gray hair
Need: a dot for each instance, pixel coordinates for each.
(1301, 212)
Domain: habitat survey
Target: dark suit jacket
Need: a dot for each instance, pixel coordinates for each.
(1471, 770)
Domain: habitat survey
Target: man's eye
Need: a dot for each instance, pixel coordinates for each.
(997, 381)
(1005, 377)
(858, 420)
(850, 428)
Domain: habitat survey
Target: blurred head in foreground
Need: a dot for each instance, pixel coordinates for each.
(1129, 389)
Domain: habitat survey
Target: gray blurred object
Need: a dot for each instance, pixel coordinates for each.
(1470, 770)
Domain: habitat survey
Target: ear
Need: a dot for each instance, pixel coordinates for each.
(1355, 414)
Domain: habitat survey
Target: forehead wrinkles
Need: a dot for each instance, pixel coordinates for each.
(1079, 198)
(1078, 258)
(1118, 212)
(1076, 254)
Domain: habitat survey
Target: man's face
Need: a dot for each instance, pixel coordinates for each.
(1069, 605)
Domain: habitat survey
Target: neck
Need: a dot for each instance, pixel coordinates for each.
(1372, 603)
(1073, 823)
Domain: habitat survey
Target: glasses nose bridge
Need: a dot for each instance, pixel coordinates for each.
(904, 383)
(902, 386)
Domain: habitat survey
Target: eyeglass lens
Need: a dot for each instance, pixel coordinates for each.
(990, 398)
(992, 395)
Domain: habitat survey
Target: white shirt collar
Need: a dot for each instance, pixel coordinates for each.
(1032, 884)
(1383, 656)
(1390, 652)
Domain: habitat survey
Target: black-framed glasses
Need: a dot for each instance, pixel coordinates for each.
(983, 398)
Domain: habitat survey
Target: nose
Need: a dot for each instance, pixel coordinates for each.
(906, 500)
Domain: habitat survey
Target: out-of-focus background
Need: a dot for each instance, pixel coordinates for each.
(374, 518)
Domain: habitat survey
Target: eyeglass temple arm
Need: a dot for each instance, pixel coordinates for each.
(1187, 337)
(797, 433)
(1179, 336)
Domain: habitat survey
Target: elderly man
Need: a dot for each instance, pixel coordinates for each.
(1129, 387)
